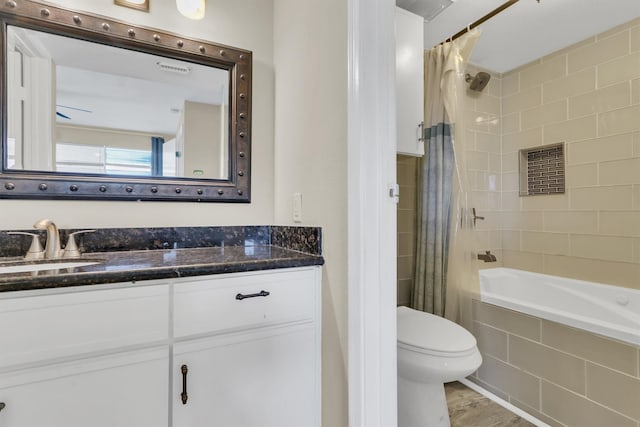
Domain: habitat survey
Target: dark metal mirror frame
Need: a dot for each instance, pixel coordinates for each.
(95, 28)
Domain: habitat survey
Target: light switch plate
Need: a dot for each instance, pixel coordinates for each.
(297, 207)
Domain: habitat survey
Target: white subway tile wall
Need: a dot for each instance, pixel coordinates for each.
(587, 96)
(561, 375)
(564, 376)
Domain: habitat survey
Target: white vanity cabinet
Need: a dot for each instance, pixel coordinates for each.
(409, 29)
(112, 355)
(247, 350)
(94, 356)
(266, 378)
(122, 390)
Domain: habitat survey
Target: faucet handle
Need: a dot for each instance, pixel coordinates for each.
(35, 250)
(71, 249)
(476, 217)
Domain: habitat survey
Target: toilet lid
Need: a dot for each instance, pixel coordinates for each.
(430, 332)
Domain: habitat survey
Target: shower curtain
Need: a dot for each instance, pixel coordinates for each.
(445, 273)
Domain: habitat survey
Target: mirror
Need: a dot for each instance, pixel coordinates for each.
(117, 112)
(144, 115)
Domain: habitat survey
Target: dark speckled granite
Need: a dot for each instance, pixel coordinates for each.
(128, 239)
(135, 254)
(303, 239)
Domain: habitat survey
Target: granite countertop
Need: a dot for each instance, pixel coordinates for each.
(128, 266)
(131, 255)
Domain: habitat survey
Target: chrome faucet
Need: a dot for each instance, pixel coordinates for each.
(487, 257)
(52, 248)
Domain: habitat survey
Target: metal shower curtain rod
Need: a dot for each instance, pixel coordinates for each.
(484, 19)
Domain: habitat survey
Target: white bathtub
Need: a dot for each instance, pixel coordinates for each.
(607, 310)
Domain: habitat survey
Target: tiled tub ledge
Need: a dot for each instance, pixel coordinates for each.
(134, 254)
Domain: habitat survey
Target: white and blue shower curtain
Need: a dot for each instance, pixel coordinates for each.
(444, 240)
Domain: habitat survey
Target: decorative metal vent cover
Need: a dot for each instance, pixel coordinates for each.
(542, 170)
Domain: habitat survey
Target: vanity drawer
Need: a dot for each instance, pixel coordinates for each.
(212, 304)
(37, 327)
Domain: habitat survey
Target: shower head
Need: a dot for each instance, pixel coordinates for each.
(479, 81)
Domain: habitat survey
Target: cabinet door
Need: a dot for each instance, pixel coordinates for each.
(265, 379)
(409, 82)
(124, 390)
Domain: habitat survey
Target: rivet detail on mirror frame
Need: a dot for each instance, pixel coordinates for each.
(60, 20)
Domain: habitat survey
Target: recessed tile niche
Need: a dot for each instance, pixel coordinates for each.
(542, 170)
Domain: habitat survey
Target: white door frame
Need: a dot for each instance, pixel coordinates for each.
(371, 164)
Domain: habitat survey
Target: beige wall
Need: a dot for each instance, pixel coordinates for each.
(406, 169)
(243, 23)
(310, 47)
(561, 375)
(587, 96)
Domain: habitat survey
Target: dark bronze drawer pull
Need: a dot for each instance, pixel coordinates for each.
(184, 395)
(2, 405)
(259, 294)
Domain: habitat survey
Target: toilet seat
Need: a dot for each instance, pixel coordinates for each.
(434, 335)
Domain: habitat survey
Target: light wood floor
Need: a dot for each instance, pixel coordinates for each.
(468, 408)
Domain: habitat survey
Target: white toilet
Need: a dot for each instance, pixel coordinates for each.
(431, 351)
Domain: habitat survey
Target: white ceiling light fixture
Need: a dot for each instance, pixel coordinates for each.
(192, 9)
(134, 4)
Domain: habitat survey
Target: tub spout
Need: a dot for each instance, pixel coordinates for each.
(487, 257)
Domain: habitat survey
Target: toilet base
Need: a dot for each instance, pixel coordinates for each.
(422, 404)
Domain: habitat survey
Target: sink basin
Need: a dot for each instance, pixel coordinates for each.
(49, 265)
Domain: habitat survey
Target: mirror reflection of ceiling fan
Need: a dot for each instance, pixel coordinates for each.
(64, 116)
